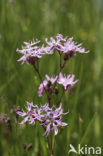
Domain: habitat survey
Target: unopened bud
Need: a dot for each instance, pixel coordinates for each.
(56, 90)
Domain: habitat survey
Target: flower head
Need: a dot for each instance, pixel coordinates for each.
(33, 113)
(49, 118)
(56, 43)
(66, 81)
(65, 45)
(53, 119)
(31, 52)
(71, 46)
(46, 84)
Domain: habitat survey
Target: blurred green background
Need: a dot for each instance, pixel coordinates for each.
(23, 20)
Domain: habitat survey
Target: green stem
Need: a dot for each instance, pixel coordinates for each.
(37, 70)
(61, 97)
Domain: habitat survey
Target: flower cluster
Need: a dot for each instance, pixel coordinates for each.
(32, 52)
(49, 118)
(65, 45)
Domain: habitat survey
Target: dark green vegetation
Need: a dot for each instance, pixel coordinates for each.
(23, 20)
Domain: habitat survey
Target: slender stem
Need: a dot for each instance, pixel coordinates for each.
(61, 97)
(40, 76)
(48, 144)
(51, 140)
(63, 64)
(61, 68)
(37, 70)
(59, 71)
(60, 62)
(52, 146)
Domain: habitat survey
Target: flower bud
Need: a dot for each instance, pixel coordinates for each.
(56, 90)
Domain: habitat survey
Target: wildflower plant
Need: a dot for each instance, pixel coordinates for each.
(49, 115)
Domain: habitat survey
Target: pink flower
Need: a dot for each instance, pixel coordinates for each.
(56, 43)
(32, 114)
(31, 52)
(53, 120)
(49, 118)
(66, 81)
(65, 45)
(70, 45)
(46, 84)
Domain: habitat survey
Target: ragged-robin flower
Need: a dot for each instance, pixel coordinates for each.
(66, 81)
(32, 114)
(49, 118)
(32, 52)
(52, 119)
(47, 84)
(56, 43)
(65, 45)
(70, 48)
